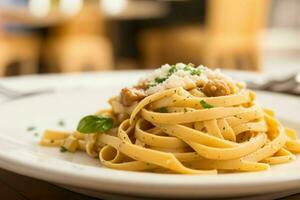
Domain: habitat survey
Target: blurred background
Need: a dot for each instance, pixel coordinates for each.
(53, 36)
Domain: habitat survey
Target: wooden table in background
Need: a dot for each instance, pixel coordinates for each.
(18, 187)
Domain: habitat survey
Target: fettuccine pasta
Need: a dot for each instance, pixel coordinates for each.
(206, 125)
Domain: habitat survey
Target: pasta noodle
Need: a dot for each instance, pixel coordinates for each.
(192, 134)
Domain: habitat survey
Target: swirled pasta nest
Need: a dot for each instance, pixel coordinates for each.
(193, 135)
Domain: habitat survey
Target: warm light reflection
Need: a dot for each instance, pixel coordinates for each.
(70, 7)
(39, 8)
(113, 7)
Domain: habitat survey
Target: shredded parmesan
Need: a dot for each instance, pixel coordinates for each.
(181, 75)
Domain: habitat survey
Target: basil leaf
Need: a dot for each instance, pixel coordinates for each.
(94, 124)
(205, 105)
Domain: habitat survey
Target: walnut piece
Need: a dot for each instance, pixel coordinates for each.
(214, 88)
(130, 95)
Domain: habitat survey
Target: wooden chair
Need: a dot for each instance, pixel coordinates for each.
(233, 29)
(22, 49)
(150, 43)
(229, 39)
(80, 44)
(166, 45)
(80, 53)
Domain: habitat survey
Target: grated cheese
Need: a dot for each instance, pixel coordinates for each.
(181, 75)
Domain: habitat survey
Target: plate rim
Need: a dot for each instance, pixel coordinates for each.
(41, 172)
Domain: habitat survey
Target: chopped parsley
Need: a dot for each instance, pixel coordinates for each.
(95, 124)
(31, 128)
(159, 80)
(63, 149)
(174, 68)
(205, 105)
(61, 123)
(193, 71)
(162, 110)
(151, 85)
(196, 72)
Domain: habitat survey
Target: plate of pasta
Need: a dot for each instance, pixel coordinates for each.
(179, 131)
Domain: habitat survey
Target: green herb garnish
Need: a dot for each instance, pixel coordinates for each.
(159, 80)
(31, 128)
(94, 124)
(63, 149)
(172, 70)
(36, 134)
(205, 105)
(193, 71)
(61, 123)
(151, 85)
(196, 72)
(162, 110)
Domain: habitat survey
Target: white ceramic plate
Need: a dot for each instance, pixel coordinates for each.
(19, 151)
